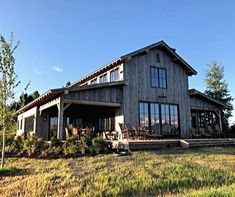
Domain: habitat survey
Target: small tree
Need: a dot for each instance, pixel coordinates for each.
(7, 84)
(217, 88)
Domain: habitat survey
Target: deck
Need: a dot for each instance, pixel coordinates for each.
(168, 143)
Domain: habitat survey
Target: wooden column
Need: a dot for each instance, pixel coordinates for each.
(220, 120)
(60, 130)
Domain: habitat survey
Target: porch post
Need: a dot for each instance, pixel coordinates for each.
(220, 120)
(60, 119)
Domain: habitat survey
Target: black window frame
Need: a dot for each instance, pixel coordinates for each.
(158, 77)
(160, 115)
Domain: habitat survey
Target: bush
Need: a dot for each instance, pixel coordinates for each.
(33, 145)
(85, 145)
(99, 145)
(17, 145)
(71, 146)
(55, 142)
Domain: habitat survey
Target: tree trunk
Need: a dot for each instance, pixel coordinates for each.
(3, 146)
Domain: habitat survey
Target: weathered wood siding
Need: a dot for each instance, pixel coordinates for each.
(105, 94)
(197, 103)
(137, 74)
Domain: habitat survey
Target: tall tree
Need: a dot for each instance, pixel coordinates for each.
(217, 88)
(7, 84)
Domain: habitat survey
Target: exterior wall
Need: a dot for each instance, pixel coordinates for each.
(121, 76)
(105, 94)
(197, 103)
(137, 75)
(43, 125)
(21, 117)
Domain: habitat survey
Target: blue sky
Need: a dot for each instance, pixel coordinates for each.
(64, 40)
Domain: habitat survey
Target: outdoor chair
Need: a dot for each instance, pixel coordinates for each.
(124, 130)
(195, 132)
(68, 132)
(140, 132)
(174, 131)
(218, 131)
(204, 132)
(131, 130)
(209, 130)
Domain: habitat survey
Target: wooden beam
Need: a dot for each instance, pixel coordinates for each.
(60, 130)
(95, 103)
(67, 105)
(49, 104)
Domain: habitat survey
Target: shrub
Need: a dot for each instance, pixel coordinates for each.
(32, 145)
(85, 145)
(55, 142)
(71, 146)
(17, 145)
(99, 145)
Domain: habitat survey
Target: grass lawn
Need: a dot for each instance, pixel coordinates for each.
(172, 172)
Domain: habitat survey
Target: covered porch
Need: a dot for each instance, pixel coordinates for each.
(69, 117)
(206, 116)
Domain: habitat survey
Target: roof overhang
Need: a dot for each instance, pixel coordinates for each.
(196, 93)
(47, 96)
(172, 52)
(54, 93)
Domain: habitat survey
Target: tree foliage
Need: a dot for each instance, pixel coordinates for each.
(24, 100)
(7, 84)
(217, 88)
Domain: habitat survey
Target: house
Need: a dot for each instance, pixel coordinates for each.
(148, 87)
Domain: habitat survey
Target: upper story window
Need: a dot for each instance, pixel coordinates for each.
(158, 60)
(94, 81)
(114, 75)
(158, 77)
(103, 78)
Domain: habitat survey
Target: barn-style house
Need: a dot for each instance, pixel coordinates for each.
(146, 89)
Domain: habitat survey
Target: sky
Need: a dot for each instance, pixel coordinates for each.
(62, 41)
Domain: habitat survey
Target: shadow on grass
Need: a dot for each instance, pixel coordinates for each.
(13, 172)
(215, 150)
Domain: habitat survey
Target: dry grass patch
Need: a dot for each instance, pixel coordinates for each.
(174, 172)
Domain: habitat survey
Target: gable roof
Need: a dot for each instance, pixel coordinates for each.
(161, 44)
(194, 92)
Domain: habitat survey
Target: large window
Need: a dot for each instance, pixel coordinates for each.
(144, 114)
(155, 117)
(103, 78)
(160, 117)
(158, 77)
(29, 124)
(114, 75)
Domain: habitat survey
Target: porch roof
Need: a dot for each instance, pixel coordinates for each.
(54, 93)
(196, 93)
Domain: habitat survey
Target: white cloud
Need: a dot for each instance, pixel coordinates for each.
(37, 71)
(57, 69)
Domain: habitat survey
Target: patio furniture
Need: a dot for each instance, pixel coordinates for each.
(68, 132)
(110, 135)
(131, 130)
(124, 130)
(204, 132)
(218, 131)
(140, 132)
(209, 130)
(195, 132)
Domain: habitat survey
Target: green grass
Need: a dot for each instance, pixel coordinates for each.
(172, 172)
